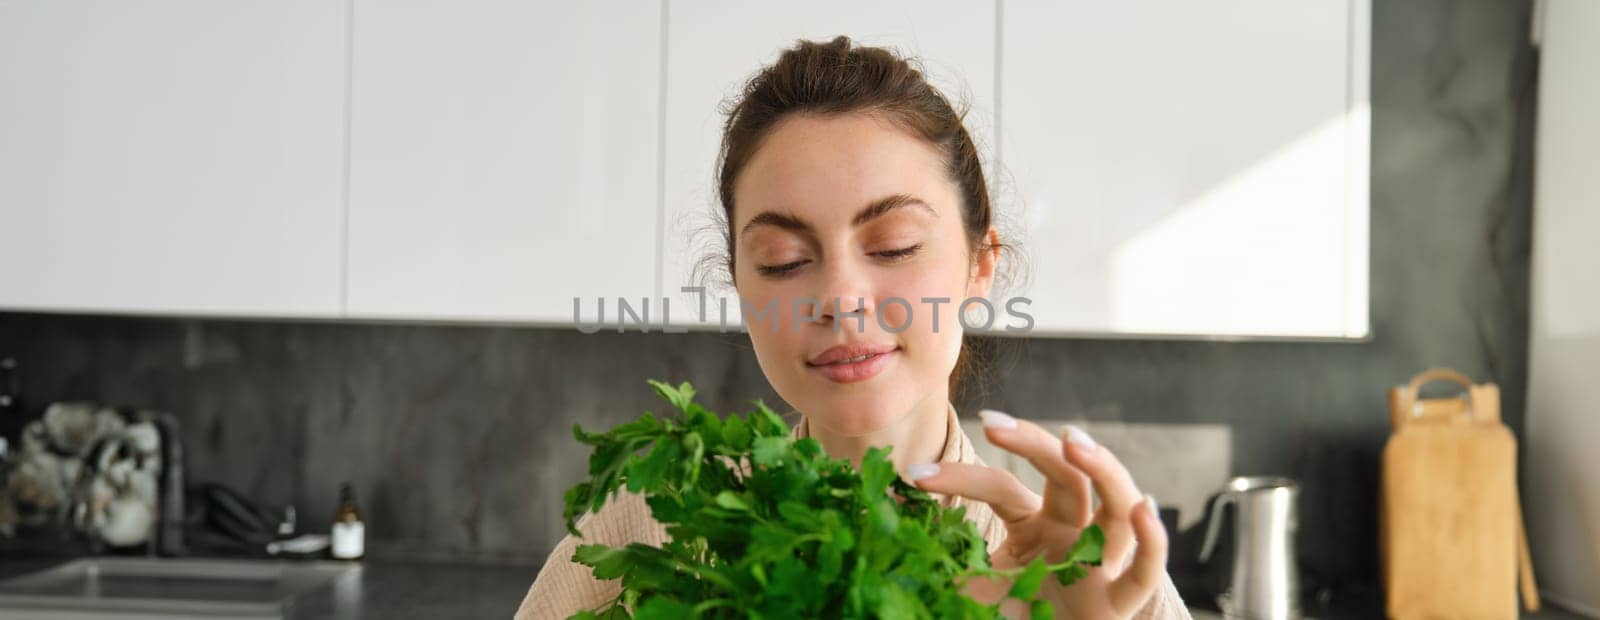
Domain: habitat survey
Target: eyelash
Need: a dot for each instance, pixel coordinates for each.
(787, 268)
(780, 270)
(899, 253)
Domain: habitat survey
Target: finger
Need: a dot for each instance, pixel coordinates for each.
(1120, 540)
(987, 590)
(1130, 591)
(1118, 494)
(998, 488)
(1067, 489)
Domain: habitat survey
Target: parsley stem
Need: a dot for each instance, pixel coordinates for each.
(1012, 573)
(712, 604)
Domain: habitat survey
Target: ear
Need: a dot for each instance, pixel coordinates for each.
(984, 264)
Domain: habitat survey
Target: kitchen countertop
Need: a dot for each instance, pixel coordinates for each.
(391, 588)
(1374, 609)
(1547, 613)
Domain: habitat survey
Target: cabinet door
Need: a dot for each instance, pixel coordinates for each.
(1194, 168)
(503, 158)
(713, 47)
(172, 156)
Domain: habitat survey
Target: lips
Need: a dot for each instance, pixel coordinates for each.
(846, 353)
(848, 363)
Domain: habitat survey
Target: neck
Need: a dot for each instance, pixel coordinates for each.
(918, 436)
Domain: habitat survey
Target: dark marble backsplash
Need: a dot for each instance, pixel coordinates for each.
(457, 441)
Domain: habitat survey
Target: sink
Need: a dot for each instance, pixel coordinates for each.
(94, 588)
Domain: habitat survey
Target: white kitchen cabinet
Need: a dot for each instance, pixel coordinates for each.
(714, 47)
(1189, 168)
(172, 156)
(1177, 168)
(503, 158)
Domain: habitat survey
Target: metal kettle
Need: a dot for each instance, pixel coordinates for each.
(1265, 582)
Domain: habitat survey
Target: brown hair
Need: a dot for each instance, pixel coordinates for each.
(838, 77)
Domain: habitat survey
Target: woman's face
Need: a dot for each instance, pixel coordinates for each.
(854, 208)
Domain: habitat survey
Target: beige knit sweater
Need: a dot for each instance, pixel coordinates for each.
(564, 587)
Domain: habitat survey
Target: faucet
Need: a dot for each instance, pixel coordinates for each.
(10, 387)
(169, 540)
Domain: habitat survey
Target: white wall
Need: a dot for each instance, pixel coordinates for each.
(1561, 489)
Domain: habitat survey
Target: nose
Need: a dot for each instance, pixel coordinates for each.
(844, 296)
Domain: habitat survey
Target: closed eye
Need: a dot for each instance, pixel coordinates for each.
(787, 268)
(899, 253)
(779, 270)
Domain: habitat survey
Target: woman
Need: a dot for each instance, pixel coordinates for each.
(847, 181)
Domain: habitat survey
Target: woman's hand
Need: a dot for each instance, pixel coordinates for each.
(1050, 524)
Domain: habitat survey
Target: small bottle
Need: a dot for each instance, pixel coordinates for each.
(349, 533)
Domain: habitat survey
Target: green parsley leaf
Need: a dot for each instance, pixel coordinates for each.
(762, 525)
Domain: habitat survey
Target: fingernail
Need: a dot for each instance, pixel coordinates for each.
(1079, 438)
(996, 419)
(1155, 508)
(920, 471)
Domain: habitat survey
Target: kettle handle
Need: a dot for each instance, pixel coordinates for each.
(1210, 544)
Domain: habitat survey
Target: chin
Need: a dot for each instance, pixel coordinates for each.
(853, 413)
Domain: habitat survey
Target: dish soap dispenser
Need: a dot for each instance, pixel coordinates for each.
(349, 533)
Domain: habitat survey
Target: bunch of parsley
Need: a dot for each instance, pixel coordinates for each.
(763, 526)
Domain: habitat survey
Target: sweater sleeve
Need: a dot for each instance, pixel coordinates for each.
(1164, 604)
(565, 587)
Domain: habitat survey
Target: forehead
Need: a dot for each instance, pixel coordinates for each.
(825, 168)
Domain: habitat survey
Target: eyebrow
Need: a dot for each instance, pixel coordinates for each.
(875, 209)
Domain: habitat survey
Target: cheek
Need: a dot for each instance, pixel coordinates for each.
(768, 305)
(896, 313)
(932, 351)
(775, 342)
(775, 353)
(938, 279)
